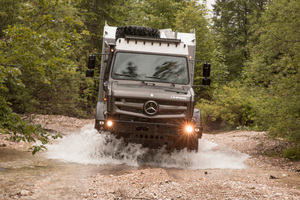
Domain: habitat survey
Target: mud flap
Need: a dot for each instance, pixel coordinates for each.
(100, 109)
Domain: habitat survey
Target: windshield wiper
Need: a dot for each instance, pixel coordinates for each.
(127, 75)
(173, 84)
(130, 76)
(161, 80)
(155, 77)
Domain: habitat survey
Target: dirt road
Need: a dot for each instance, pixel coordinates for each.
(231, 165)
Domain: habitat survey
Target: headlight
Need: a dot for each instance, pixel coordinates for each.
(189, 129)
(109, 123)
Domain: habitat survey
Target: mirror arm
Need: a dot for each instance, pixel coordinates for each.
(197, 60)
(101, 54)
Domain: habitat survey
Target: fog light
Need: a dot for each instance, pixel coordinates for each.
(109, 123)
(197, 130)
(189, 129)
(101, 122)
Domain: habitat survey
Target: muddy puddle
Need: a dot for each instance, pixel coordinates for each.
(23, 175)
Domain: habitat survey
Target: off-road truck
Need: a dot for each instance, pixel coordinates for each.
(145, 87)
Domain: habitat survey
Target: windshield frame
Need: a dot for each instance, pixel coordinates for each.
(150, 78)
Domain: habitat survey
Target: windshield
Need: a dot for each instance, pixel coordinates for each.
(150, 67)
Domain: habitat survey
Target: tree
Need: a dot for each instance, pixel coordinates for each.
(9, 11)
(38, 66)
(42, 48)
(95, 13)
(273, 72)
(153, 13)
(232, 26)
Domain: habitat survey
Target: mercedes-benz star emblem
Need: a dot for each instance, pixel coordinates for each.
(151, 107)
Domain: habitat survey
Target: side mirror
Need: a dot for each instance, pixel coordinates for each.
(105, 86)
(89, 73)
(206, 69)
(206, 81)
(92, 62)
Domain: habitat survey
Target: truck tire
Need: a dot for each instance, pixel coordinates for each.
(122, 31)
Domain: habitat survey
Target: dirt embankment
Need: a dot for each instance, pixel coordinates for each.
(264, 177)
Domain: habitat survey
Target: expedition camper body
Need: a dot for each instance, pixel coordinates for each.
(145, 87)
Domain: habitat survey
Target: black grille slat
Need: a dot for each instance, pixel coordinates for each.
(142, 101)
(137, 106)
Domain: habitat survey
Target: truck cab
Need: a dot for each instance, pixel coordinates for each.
(145, 88)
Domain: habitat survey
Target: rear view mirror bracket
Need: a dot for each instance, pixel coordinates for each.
(92, 61)
(206, 69)
(89, 73)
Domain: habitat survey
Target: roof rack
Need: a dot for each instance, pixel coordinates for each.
(153, 39)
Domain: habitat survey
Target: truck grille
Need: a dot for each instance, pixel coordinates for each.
(135, 107)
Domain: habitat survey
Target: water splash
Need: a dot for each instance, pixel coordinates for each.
(90, 147)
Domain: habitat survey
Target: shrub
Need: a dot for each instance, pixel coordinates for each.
(292, 153)
(230, 104)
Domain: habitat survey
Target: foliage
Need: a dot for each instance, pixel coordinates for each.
(274, 70)
(153, 13)
(292, 153)
(41, 51)
(257, 60)
(9, 11)
(229, 104)
(232, 22)
(96, 12)
(20, 130)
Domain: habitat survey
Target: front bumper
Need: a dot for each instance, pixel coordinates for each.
(152, 130)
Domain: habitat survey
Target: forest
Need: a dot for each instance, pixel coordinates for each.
(253, 47)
